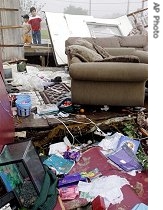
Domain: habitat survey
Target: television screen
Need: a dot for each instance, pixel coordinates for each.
(8, 74)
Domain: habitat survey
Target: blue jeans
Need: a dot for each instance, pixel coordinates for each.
(36, 35)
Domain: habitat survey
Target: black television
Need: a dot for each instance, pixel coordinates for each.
(8, 74)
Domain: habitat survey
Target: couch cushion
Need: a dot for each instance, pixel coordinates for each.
(134, 41)
(120, 51)
(121, 58)
(108, 41)
(100, 50)
(72, 40)
(85, 43)
(83, 53)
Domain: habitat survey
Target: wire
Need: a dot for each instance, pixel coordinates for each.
(69, 120)
(68, 131)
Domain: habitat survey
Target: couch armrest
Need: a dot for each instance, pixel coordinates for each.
(109, 71)
(142, 55)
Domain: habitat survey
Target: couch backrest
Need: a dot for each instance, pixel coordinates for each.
(131, 43)
(137, 41)
(103, 42)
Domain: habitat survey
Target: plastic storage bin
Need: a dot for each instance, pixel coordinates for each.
(23, 104)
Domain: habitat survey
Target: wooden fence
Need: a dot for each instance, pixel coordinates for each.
(11, 43)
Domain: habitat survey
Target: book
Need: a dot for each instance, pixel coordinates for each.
(131, 143)
(71, 179)
(61, 165)
(125, 158)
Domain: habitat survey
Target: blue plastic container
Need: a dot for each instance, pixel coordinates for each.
(25, 97)
(23, 104)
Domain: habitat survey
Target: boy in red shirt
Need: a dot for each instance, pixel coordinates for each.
(35, 22)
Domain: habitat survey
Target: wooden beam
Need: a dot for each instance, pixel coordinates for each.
(42, 58)
(10, 27)
(11, 45)
(141, 10)
(8, 9)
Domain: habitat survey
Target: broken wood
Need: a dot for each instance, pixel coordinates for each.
(144, 132)
(111, 121)
(79, 129)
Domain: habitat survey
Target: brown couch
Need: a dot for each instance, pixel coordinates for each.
(103, 82)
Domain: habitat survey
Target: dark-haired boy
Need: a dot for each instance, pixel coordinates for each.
(35, 22)
(27, 37)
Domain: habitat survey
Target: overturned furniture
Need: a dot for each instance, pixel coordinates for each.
(106, 74)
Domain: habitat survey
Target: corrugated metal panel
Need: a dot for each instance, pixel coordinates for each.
(11, 42)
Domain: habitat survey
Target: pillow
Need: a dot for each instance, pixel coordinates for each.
(123, 58)
(83, 53)
(100, 50)
(85, 43)
(75, 60)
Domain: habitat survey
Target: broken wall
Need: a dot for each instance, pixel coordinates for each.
(11, 43)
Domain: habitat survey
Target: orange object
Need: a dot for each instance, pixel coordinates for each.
(82, 110)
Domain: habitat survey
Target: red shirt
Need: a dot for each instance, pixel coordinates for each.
(35, 23)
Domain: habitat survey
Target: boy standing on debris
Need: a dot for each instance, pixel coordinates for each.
(27, 38)
(35, 22)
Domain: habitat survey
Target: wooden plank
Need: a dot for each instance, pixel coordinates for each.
(11, 45)
(133, 13)
(41, 50)
(11, 30)
(24, 123)
(42, 58)
(10, 27)
(8, 9)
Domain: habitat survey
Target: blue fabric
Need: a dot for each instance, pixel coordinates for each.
(36, 35)
(140, 206)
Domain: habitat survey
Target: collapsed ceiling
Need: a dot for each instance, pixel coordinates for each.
(61, 26)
